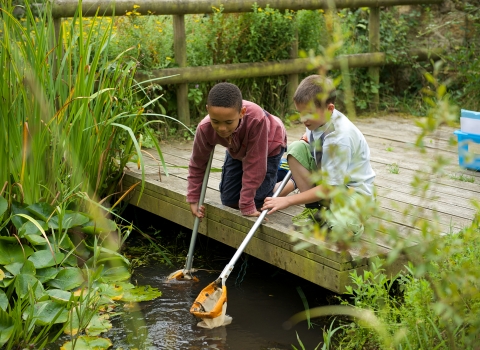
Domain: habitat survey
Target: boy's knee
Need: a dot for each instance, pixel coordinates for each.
(298, 146)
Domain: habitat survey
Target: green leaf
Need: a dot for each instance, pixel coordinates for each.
(67, 279)
(70, 219)
(29, 228)
(3, 206)
(18, 208)
(28, 268)
(14, 268)
(25, 283)
(141, 293)
(45, 258)
(88, 343)
(10, 253)
(112, 291)
(105, 226)
(3, 301)
(36, 240)
(98, 324)
(47, 274)
(115, 274)
(7, 280)
(49, 312)
(6, 327)
(41, 210)
(59, 295)
(8, 239)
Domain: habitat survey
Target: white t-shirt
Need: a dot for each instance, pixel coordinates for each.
(346, 155)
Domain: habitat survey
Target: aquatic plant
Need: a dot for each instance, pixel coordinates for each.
(71, 120)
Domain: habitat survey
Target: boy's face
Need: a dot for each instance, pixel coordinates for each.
(225, 120)
(312, 116)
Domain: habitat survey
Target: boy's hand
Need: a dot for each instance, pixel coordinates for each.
(256, 214)
(274, 204)
(197, 211)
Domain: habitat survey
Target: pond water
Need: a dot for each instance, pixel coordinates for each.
(259, 306)
(261, 298)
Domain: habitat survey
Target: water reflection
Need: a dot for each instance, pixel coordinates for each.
(258, 307)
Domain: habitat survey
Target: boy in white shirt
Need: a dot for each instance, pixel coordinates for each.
(334, 147)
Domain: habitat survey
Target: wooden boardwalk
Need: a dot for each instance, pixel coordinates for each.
(391, 141)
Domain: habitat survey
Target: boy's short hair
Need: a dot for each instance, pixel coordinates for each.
(225, 95)
(315, 88)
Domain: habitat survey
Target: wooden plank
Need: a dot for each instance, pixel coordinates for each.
(277, 233)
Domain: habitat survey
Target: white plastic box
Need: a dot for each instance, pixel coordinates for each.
(470, 122)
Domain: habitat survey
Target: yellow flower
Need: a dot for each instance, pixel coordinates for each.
(168, 58)
(135, 26)
(260, 9)
(129, 13)
(136, 6)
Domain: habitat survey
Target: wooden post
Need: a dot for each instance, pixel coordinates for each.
(180, 47)
(292, 78)
(374, 40)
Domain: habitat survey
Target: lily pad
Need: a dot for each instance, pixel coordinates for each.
(30, 228)
(14, 268)
(70, 219)
(24, 283)
(48, 312)
(141, 293)
(7, 280)
(115, 274)
(18, 208)
(47, 274)
(28, 268)
(112, 291)
(6, 327)
(45, 258)
(41, 210)
(98, 324)
(36, 240)
(3, 301)
(10, 253)
(59, 295)
(88, 343)
(67, 279)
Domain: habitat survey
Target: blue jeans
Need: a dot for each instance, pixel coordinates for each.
(231, 183)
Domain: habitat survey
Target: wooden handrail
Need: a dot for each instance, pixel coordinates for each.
(182, 76)
(256, 69)
(67, 8)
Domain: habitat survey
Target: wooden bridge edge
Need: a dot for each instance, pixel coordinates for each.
(315, 268)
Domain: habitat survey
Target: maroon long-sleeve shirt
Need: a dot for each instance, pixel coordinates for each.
(259, 135)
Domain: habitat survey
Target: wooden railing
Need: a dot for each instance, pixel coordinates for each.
(292, 67)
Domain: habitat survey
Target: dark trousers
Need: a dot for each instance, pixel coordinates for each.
(231, 183)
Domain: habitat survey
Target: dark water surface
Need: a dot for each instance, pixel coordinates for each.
(261, 298)
(259, 306)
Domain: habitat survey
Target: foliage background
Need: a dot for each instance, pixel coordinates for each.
(267, 34)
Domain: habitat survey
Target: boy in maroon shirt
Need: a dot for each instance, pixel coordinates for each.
(255, 142)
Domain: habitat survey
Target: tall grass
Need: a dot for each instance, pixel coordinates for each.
(70, 116)
(70, 120)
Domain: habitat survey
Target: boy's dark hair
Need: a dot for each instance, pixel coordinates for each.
(315, 88)
(225, 95)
